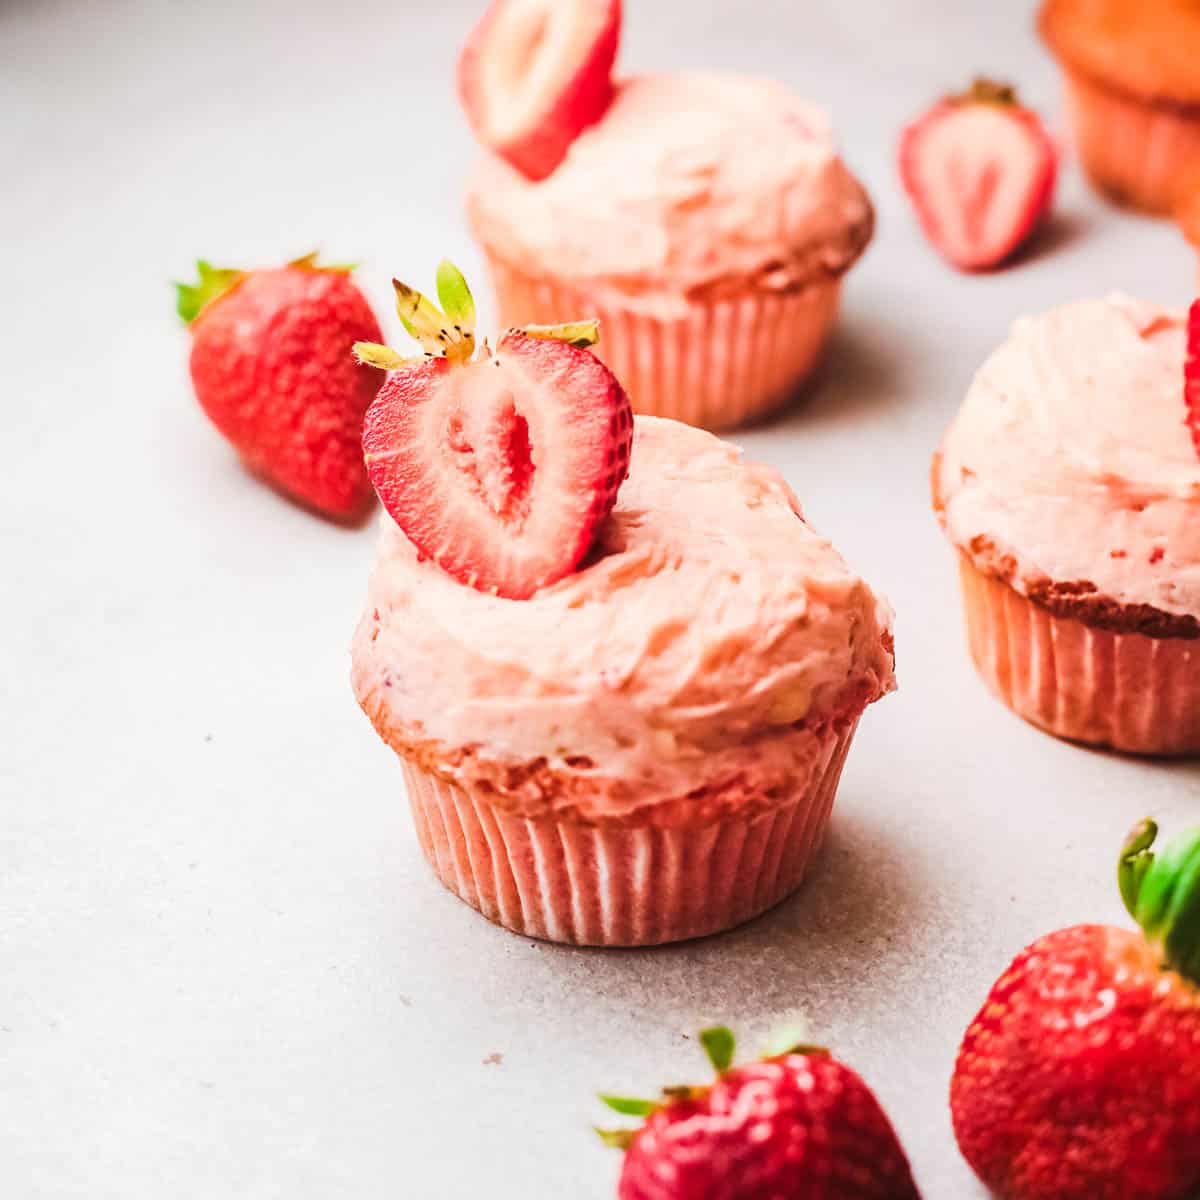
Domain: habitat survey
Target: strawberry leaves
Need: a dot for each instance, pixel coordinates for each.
(212, 282)
(719, 1044)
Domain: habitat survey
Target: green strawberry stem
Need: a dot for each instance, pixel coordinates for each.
(1162, 893)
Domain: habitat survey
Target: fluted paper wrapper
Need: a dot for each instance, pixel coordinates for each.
(1135, 151)
(618, 884)
(717, 364)
(1126, 691)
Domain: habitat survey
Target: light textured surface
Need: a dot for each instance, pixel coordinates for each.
(225, 970)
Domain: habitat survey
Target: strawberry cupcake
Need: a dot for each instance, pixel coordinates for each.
(1133, 90)
(1069, 484)
(620, 670)
(706, 219)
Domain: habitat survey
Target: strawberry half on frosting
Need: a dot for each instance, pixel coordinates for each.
(501, 466)
(980, 170)
(1191, 374)
(535, 73)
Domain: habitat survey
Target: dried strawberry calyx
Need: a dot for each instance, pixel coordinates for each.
(191, 299)
(449, 331)
(987, 91)
(1162, 894)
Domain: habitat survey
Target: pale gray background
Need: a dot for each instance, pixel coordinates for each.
(225, 971)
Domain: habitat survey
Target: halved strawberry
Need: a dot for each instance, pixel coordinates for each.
(535, 73)
(501, 468)
(1191, 374)
(980, 170)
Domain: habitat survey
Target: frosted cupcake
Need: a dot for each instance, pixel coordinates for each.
(1134, 92)
(1069, 483)
(624, 738)
(706, 219)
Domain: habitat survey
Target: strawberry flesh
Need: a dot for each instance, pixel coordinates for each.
(981, 174)
(535, 73)
(502, 470)
(1191, 374)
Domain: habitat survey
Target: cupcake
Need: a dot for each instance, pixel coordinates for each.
(620, 721)
(1133, 89)
(706, 219)
(1069, 483)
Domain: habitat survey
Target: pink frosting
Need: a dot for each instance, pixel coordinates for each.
(711, 614)
(1071, 453)
(688, 179)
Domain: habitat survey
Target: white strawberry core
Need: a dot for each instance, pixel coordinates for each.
(977, 168)
(534, 50)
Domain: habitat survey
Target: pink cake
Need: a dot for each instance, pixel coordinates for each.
(706, 219)
(1070, 485)
(648, 749)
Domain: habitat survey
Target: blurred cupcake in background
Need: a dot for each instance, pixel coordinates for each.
(1133, 88)
(1069, 483)
(706, 219)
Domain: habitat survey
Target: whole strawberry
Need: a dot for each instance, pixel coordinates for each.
(499, 466)
(272, 368)
(795, 1126)
(980, 170)
(1080, 1077)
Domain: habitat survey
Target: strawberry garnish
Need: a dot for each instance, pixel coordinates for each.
(271, 367)
(980, 170)
(1191, 374)
(500, 468)
(796, 1124)
(535, 73)
(1080, 1077)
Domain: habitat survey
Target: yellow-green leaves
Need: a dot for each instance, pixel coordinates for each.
(371, 354)
(454, 296)
(435, 330)
(212, 282)
(577, 333)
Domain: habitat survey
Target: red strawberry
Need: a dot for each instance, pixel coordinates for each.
(980, 170)
(1080, 1077)
(272, 369)
(535, 73)
(1191, 374)
(499, 469)
(798, 1124)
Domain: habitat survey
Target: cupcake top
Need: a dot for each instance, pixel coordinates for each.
(1147, 48)
(690, 182)
(710, 634)
(1071, 472)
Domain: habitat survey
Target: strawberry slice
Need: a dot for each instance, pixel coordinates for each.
(535, 73)
(502, 468)
(1191, 374)
(980, 170)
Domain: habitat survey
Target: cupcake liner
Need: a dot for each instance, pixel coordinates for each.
(1126, 691)
(717, 364)
(618, 884)
(1135, 151)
